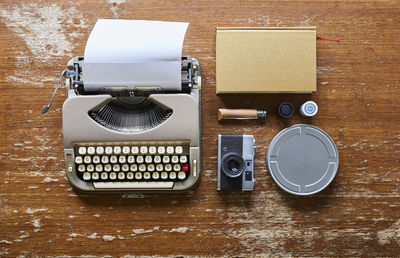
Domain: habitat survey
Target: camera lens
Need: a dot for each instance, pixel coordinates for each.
(233, 165)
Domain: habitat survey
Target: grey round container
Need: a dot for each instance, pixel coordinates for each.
(302, 159)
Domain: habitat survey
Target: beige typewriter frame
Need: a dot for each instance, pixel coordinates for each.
(183, 125)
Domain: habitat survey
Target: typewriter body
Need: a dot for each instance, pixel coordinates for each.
(142, 140)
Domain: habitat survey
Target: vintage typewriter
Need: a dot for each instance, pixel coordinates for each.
(132, 139)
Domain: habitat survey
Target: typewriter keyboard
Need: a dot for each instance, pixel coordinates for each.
(130, 162)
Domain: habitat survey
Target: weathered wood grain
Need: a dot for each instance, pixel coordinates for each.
(358, 97)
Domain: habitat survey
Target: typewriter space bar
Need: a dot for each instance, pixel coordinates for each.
(133, 185)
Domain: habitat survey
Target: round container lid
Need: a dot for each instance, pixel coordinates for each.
(310, 108)
(302, 159)
(286, 109)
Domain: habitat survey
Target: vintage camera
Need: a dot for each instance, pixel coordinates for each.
(235, 162)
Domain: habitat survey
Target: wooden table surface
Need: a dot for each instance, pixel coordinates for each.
(358, 87)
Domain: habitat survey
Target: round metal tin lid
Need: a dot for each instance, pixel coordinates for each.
(302, 159)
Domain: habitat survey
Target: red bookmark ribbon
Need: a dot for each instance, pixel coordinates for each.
(330, 39)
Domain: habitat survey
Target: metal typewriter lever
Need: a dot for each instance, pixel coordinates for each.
(65, 73)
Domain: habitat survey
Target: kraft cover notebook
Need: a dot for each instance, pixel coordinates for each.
(266, 60)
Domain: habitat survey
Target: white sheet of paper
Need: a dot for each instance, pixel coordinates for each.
(134, 53)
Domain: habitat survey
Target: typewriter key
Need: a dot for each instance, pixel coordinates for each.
(96, 159)
(131, 159)
(174, 159)
(155, 175)
(95, 176)
(104, 176)
(86, 176)
(100, 150)
(91, 150)
(82, 150)
(81, 168)
(135, 150)
(133, 167)
(87, 159)
(172, 175)
(181, 175)
(146, 175)
(104, 159)
(126, 150)
(152, 149)
(139, 159)
(142, 168)
(150, 167)
(148, 159)
(109, 150)
(143, 149)
(122, 159)
(178, 149)
(113, 159)
(161, 149)
(99, 167)
(157, 159)
(183, 159)
(116, 168)
(165, 159)
(78, 160)
(170, 149)
(117, 150)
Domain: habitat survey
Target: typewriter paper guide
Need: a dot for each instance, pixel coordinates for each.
(266, 60)
(134, 53)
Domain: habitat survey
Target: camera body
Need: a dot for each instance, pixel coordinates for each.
(235, 162)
